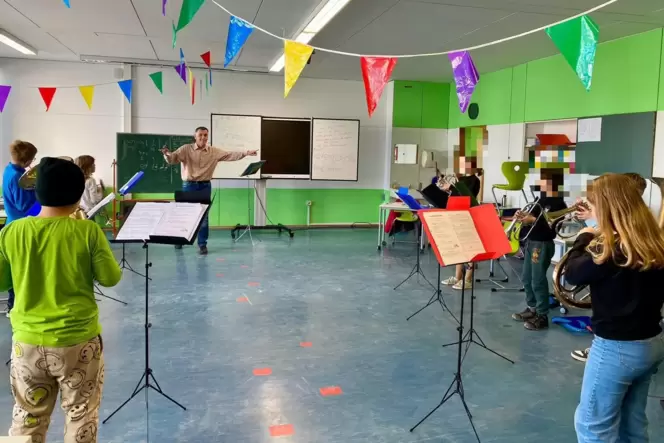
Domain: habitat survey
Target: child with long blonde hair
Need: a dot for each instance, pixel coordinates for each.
(622, 261)
(93, 193)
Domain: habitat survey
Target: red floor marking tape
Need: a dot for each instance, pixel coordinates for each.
(281, 430)
(262, 371)
(244, 266)
(242, 299)
(253, 283)
(221, 259)
(220, 275)
(330, 390)
(306, 344)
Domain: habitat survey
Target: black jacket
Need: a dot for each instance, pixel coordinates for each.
(626, 303)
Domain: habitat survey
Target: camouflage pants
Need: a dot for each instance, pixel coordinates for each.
(38, 373)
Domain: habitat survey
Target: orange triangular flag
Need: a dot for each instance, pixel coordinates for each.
(296, 56)
(88, 93)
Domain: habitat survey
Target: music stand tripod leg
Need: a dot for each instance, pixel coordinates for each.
(417, 269)
(98, 292)
(124, 263)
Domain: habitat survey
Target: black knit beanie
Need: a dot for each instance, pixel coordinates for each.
(59, 182)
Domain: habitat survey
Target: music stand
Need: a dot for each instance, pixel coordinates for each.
(147, 379)
(124, 263)
(252, 169)
(417, 269)
(487, 242)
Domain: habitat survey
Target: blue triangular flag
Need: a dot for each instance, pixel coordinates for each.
(67, 3)
(181, 56)
(238, 33)
(125, 85)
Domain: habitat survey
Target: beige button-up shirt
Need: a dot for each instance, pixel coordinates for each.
(198, 163)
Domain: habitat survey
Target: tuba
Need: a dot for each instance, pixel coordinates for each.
(579, 296)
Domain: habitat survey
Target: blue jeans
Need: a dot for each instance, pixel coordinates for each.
(614, 393)
(204, 232)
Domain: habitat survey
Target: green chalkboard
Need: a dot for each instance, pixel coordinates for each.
(627, 145)
(141, 152)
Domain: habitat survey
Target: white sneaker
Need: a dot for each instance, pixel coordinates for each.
(457, 285)
(450, 281)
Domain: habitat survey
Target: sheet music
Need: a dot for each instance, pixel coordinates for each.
(142, 221)
(455, 235)
(180, 220)
(99, 206)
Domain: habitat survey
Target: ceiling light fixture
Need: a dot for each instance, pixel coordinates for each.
(322, 18)
(15, 43)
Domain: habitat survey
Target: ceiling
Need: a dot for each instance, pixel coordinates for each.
(135, 29)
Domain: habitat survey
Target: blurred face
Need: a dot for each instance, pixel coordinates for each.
(201, 137)
(546, 185)
(93, 168)
(465, 166)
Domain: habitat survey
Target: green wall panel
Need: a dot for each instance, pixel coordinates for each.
(492, 94)
(625, 80)
(407, 104)
(288, 206)
(661, 75)
(518, 99)
(435, 105)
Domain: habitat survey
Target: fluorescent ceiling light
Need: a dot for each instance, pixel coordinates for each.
(322, 18)
(15, 43)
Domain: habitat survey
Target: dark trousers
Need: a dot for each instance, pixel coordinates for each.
(204, 232)
(538, 255)
(10, 300)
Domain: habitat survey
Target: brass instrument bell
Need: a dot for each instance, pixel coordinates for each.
(29, 178)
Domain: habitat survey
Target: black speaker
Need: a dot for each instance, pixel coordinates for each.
(473, 111)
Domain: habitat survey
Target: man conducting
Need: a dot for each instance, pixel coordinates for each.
(198, 162)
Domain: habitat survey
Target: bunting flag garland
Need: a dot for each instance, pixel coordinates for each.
(125, 86)
(296, 56)
(238, 33)
(4, 95)
(465, 77)
(47, 95)
(163, 7)
(207, 59)
(187, 12)
(206, 84)
(88, 93)
(577, 42)
(158, 80)
(181, 56)
(376, 72)
(192, 86)
(200, 87)
(181, 69)
(66, 2)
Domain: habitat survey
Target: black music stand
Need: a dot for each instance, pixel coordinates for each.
(124, 264)
(417, 269)
(252, 169)
(436, 297)
(147, 379)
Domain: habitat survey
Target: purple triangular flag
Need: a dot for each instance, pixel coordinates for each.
(465, 77)
(182, 70)
(4, 95)
(163, 7)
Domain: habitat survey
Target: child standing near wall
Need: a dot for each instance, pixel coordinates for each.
(93, 192)
(52, 260)
(18, 201)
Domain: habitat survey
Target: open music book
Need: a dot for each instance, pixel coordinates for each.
(163, 220)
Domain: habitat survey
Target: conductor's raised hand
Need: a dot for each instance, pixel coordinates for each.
(165, 150)
(252, 152)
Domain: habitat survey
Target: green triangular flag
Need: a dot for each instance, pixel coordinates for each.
(188, 11)
(207, 81)
(157, 79)
(577, 41)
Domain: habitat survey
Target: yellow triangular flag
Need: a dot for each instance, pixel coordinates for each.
(192, 86)
(296, 56)
(88, 93)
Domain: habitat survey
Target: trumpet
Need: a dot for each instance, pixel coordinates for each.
(449, 179)
(29, 178)
(513, 230)
(557, 219)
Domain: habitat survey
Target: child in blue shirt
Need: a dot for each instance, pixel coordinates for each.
(18, 201)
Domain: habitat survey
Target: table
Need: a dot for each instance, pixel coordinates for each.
(383, 213)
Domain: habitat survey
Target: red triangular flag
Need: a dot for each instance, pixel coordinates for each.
(207, 58)
(376, 72)
(47, 95)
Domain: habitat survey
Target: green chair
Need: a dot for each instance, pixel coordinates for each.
(515, 173)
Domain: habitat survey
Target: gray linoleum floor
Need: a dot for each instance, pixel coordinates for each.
(319, 311)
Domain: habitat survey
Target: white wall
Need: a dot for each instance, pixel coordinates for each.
(233, 93)
(69, 128)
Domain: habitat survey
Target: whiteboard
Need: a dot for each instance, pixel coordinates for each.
(335, 149)
(236, 133)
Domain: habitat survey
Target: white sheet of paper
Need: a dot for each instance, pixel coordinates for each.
(589, 129)
(180, 220)
(99, 206)
(455, 235)
(142, 221)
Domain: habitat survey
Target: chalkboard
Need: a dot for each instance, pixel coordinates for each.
(286, 146)
(141, 152)
(335, 149)
(626, 144)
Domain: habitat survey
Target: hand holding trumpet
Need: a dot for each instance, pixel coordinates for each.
(583, 212)
(525, 217)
